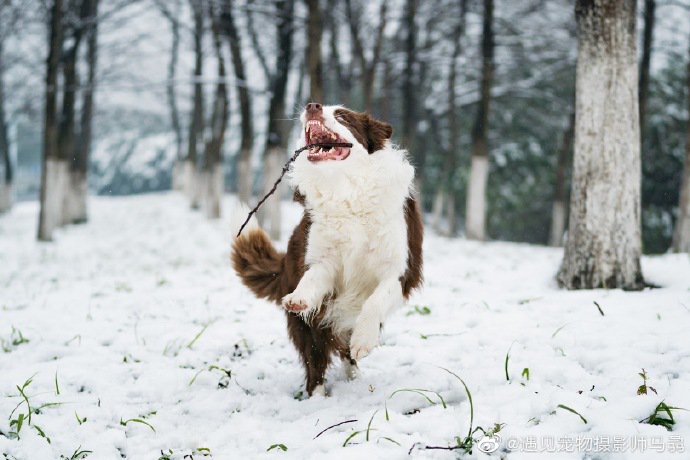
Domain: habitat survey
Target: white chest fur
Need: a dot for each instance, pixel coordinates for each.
(358, 226)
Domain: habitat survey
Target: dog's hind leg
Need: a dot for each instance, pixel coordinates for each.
(314, 345)
(349, 364)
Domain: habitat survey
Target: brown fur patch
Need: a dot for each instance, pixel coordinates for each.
(299, 198)
(316, 344)
(272, 275)
(368, 131)
(413, 277)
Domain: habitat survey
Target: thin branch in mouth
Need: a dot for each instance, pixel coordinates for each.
(324, 144)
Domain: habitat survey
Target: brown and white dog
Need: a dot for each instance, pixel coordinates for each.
(357, 253)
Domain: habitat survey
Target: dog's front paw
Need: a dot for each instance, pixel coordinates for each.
(365, 337)
(296, 303)
(293, 303)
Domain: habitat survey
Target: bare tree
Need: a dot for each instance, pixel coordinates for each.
(51, 189)
(647, 40)
(79, 165)
(172, 16)
(195, 144)
(604, 244)
(14, 15)
(254, 38)
(213, 178)
(277, 131)
(244, 159)
(342, 72)
(409, 115)
(314, 59)
(681, 235)
(368, 66)
(5, 160)
(559, 207)
(479, 173)
(80, 20)
(445, 196)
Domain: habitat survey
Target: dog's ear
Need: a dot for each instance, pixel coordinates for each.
(378, 132)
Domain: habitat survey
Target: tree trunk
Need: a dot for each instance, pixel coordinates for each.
(437, 210)
(278, 128)
(558, 211)
(479, 172)
(647, 39)
(254, 38)
(196, 128)
(604, 244)
(368, 67)
(409, 121)
(175, 124)
(445, 199)
(77, 187)
(387, 96)
(244, 159)
(681, 235)
(67, 127)
(341, 88)
(213, 155)
(50, 192)
(314, 60)
(5, 160)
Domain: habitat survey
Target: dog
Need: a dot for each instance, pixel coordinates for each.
(356, 254)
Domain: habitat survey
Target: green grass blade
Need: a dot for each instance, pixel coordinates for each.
(349, 438)
(369, 424)
(469, 397)
(570, 409)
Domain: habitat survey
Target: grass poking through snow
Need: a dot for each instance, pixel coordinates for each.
(570, 409)
(15, 339)
(662, 416)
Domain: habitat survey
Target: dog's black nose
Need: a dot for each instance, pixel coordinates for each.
(314, 107)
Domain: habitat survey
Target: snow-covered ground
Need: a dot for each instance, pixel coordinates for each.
(137, 321)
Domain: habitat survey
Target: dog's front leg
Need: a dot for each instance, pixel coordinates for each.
(315, 284)
(365, 335)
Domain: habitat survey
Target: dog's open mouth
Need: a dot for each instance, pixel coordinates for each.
(317, 133)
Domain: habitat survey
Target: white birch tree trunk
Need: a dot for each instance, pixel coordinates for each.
(451, 215)
(681, 234)
(475, 226)
(437, 210)
(77, 191)
(270, 216)
(604, 242)
(5, 197)
(557, 224)
(62, 193)
(475, 222)
(244, 177)
(178, 176)
(213, 191)
(192, 184)
(53, 197)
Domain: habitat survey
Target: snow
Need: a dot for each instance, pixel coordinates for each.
(129, 312)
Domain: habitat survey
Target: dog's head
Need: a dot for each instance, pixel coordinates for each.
(336, 124)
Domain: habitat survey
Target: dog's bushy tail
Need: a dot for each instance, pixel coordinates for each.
(254, 258)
